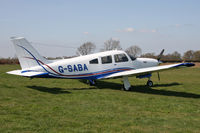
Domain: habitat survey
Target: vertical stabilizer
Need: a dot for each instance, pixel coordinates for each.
(27, 55)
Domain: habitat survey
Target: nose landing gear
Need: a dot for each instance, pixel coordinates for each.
(149, 82)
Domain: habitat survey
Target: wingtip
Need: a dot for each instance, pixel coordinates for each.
(190, 64)
(187, 64)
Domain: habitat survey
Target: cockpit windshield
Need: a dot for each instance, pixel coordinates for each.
(132, 57)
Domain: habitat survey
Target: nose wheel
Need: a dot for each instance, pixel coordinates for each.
(149, 83)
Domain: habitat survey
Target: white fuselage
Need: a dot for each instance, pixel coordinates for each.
(94, 66)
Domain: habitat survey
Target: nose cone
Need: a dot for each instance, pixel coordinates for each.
(159, 62)
(148, 62)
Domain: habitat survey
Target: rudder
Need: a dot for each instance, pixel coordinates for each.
(27, 55)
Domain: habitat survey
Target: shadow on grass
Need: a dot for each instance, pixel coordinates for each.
(148, 90)
(167, 85)
(83, 88)
(117, 86)
(164, 92)
(52, 90)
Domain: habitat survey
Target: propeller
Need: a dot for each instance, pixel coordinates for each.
(159, 57)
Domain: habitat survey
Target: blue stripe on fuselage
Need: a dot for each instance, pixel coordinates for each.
(92, 75)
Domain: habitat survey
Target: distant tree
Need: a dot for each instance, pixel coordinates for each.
(111, 45)
(134, 50)
(149, 55)
(188, 55)
(197, 55)
(86, 48)
(176, 55)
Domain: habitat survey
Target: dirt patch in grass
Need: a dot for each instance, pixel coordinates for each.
(197, 64)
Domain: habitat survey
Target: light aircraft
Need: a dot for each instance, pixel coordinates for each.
(102, 65)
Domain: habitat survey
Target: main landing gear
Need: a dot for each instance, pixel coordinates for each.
(92, 82)
(149, 83)
(126, 84)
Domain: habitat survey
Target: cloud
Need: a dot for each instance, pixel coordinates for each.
(153, 31)
(182, 25)
(85, 32)
(115, 38)
(133, 30)
(129, 29)
(178, 25)
(126, 30)
(148, 31)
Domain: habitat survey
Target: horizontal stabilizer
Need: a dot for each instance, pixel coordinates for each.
(27, 73)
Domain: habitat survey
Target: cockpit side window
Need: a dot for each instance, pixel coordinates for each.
(106, 59)
(94, 61)
(120, 58)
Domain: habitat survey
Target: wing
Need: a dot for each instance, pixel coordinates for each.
(142, 71)
(27, 73)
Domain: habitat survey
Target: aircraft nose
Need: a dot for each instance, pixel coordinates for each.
(159, 62)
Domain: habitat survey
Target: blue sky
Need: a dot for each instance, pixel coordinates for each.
(150, 24)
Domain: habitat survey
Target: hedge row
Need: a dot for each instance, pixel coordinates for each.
(9, 61)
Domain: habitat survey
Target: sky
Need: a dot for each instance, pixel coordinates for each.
(58, 27)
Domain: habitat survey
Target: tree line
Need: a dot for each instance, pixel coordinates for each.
(111, 44)
(134, 50)
(188, 56)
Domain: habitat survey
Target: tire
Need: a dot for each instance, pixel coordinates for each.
(149, 83)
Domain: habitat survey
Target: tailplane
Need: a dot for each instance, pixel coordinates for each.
(27, 55)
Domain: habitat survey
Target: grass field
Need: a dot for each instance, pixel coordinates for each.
(59, 105)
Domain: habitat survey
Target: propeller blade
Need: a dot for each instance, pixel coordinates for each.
(160, 55)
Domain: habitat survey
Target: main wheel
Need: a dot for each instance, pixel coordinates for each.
(149, 83)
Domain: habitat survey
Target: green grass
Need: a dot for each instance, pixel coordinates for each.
(60, 105)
